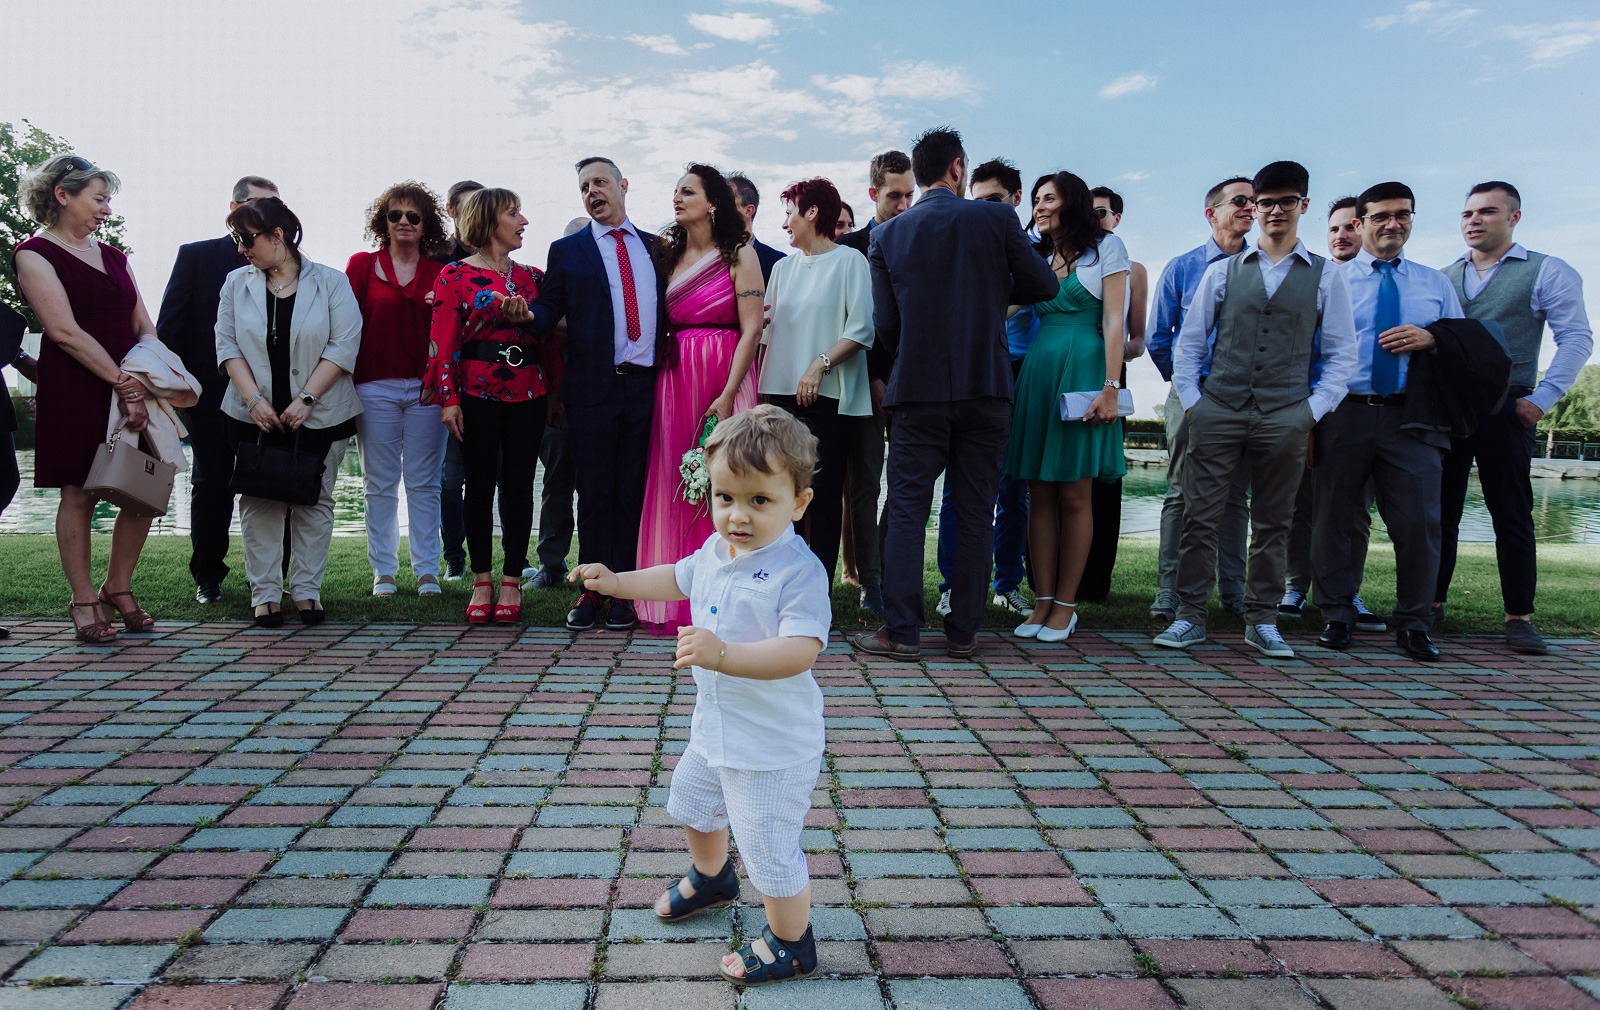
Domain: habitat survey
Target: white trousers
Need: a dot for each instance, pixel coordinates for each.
(400, 439)
(765, 809)
(310, 534)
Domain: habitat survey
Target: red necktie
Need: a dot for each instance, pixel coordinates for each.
(630, 298)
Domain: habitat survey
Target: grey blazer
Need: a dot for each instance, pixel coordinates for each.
(326, 324)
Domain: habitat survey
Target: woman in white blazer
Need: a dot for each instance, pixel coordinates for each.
(288, 331)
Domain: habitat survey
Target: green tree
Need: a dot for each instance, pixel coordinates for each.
(21, 148)
(1579, 411)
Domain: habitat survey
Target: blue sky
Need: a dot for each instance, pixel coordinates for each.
(335, 99)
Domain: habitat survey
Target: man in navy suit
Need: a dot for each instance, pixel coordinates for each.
(603, 281)
(943, 274)
(748, 199)
(188, 325)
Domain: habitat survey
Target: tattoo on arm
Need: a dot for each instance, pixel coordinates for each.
(752, 294)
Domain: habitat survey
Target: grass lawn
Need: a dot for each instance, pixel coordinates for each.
(32, 586)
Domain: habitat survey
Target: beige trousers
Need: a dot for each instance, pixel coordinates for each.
(310, 533)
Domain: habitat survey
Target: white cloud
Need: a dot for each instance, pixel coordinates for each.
(1137, 176)
(921, 80)
(1434, 16)
(1552, 44)
(1130, 84)
(738, 27)
(800, 6)
(666, 45)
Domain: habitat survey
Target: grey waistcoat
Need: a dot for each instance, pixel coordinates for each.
(1508, 300)
(1265, 345)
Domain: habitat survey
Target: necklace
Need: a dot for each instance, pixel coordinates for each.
(511, 287)
(78, 248)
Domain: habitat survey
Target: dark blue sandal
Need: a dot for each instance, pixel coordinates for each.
(793, 960)
(709, 892)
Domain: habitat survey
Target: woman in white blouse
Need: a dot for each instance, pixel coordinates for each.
(820, 321)
(1078, 350)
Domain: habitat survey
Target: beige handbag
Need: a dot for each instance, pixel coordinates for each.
(130, 478)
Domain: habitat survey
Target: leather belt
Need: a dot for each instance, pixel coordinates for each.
(510, 355)
(1392, 400)
(629, 368)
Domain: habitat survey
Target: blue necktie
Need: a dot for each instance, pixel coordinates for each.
(1385, 364)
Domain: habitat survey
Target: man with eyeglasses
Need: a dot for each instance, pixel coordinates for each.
(1366, 437)
(187, 323)
(1275, 323)
(1498, 279)
(1344, 241)
(997, 181)
(1230, 209)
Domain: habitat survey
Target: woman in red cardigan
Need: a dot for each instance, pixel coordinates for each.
(398, 429)
(495, 378)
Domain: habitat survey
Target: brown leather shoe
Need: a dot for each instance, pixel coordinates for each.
(877, 643)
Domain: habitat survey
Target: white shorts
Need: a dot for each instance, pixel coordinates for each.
(765, 809)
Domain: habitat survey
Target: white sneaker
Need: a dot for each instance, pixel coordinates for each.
(1181, 635)
(944, 604)
(1013, 601)
(383, 585)
(1267, 641)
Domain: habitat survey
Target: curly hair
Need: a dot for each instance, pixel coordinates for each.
(727, 224)
(427, 204)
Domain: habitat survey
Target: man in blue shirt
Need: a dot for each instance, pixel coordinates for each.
(998, 181)
(1391, 300)
(1231, 212)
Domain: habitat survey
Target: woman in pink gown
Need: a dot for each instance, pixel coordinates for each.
(714, 293)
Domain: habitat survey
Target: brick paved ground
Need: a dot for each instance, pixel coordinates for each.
(394, 816)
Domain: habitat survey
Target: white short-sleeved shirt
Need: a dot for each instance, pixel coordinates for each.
(778, 591)
(1093, 266)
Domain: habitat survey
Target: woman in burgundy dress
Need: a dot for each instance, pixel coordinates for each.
(85, 297)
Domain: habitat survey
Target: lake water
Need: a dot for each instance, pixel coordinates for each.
(1564, 511)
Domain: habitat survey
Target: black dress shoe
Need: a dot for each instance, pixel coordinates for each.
(1335, 636)
(5, 633)
(620, 616)
(581, 617)
(313, 615)
(207, 592)
(270, 619)
(1417, 645)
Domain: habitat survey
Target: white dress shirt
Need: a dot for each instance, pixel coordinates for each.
(1335, 340)
(778, 591)
(643, 350)
(1558, 300)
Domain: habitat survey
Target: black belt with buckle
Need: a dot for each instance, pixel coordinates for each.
(510, 355)
(1392, 400)
(629, 368)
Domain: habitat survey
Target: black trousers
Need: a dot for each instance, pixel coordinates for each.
(556, 521)
(610, 463)
(967, 438)
(10, 473)
(500, 438)
(821, 526)
(1503, 447)
(211, 503)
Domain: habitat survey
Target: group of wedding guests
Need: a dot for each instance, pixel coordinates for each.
(940, 325)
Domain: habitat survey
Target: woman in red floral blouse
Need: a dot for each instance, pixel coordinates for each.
(493, 379)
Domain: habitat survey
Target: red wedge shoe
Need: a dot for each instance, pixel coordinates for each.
(478, 613)
(512, 614)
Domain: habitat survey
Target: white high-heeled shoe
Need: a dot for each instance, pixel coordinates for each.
(1047, 634)
(1031, 630)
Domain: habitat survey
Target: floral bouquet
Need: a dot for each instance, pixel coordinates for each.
(695, 476)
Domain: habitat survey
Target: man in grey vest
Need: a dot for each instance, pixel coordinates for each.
(1522, 291)
(1281, 356)
(1364, 441)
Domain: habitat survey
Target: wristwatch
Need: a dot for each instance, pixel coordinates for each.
(307, 399)
(1113, 384)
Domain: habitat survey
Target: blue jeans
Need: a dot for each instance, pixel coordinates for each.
(1010, 535)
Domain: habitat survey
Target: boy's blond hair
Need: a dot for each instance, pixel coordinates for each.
(767, 439)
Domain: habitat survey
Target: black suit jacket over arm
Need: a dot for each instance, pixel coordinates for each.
(188, 319)
(1451, 389)
(943, 273)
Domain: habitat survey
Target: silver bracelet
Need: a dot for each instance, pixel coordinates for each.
(252, 404)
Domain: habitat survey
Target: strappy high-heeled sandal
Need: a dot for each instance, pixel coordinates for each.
(133, 618)
(509, 613)
(95, 632)
(479, 613)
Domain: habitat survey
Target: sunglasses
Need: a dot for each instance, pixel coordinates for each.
(245, 239)
(1238, 201)
(410, 217)
(1102, 212)
(992, 198)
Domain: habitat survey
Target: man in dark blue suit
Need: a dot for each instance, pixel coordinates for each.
(603, 281)
(188, 325)
(943, 274)
(748, 199)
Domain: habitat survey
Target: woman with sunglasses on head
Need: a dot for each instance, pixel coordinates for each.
(495, 380)
(398, 429)
(288, 335)
(89, 304)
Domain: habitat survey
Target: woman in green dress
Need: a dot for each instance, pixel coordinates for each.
(1078, 350)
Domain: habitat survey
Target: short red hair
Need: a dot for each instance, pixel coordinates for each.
(821, 194)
